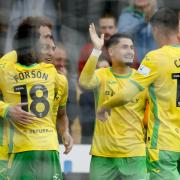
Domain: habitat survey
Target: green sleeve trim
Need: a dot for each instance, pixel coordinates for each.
(97, 80)
(141, 88)
(11, 135)
(62, 106)
(1, 131)
(154, 138)
(6, 113)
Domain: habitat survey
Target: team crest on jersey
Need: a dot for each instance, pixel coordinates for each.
(177, 63)
(144, 70)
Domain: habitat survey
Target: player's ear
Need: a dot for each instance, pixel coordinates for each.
(110, 51)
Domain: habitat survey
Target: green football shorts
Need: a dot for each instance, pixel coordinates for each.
(107, 168)
(31, 165)
(163, 164)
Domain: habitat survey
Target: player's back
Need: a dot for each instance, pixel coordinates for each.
(164, 124)
(35, 85)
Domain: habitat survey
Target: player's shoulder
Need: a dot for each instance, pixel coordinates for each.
(9, 58)
(156, 57)
(62, 78)
(155, 53)
(103, 70)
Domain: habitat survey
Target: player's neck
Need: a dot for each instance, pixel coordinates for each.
(170, 40)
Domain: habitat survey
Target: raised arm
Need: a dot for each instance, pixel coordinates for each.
(87, 78)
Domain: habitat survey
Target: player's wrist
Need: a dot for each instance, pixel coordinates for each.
(96, 52)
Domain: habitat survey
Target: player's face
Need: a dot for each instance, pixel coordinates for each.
(60, 60)
(122, 52)
(107, 27)
(47, 49)
(47, 45)
(45, 33)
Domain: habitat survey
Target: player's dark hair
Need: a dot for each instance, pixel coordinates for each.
(165, 18)
(26, 38)
(114, 39)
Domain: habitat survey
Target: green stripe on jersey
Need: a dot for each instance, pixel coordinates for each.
(155, 112)
(1, 131)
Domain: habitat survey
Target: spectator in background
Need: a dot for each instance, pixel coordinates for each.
(61, 63)
(60, 59)
(134, 20)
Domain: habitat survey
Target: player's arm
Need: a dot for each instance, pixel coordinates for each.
(62, 121)
(3, 109)
(88, 78)
(143, 77)
(15, 113)
(122, 98)
(63, 129)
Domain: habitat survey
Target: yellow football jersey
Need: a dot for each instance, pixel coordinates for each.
(160, 72)
(36, 85)
(122, 134)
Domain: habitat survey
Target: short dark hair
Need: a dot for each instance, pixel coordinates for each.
(26, 38)
(114, 39)
(166, 18)
(109, 15)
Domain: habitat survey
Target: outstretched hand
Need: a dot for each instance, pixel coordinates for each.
(16, 113)
(97, 41)
(103, 114)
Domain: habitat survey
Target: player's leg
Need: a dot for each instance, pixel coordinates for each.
(132, 168)
(20, 166)
(163, 165)
(103, 168)
(48, 165)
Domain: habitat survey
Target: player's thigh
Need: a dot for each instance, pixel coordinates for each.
(20, 166)
(103, 168)
(163, 165)
(48, 166)
(132, 168)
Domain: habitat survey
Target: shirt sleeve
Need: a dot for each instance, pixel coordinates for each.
(123, 97)
(3, 105)
(3, 109)
(62, 90)
(88, 78)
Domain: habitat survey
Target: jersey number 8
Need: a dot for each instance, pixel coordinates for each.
(43, 99)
